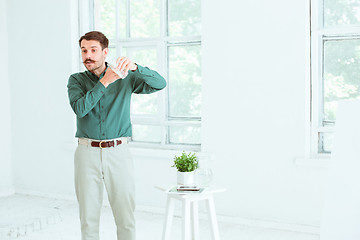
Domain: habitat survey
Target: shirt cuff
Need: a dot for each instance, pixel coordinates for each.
(144, 70)
(99, 89)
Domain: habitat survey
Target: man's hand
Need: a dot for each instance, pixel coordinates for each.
(124, 64)
(109, 77)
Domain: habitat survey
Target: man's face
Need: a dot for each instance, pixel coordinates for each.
(93, 56)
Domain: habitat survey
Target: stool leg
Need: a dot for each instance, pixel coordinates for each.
(195, 220)
(212, 216)
(170, 205)
(186, 219)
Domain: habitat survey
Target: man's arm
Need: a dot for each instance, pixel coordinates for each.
(145, 80)
(81, 101)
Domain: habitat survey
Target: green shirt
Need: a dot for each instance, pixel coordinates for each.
(104, 113)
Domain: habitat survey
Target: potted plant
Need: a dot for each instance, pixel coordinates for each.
(186, 165)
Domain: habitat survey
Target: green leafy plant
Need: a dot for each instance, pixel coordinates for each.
(186, 163)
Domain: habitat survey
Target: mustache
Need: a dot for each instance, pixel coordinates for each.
(89, 60)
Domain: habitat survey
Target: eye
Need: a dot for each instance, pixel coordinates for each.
(94, 50)
(84, 51)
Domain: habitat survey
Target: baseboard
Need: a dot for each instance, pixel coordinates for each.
(68, 197)
(60, 196)
(259, 223)
(4, 192)
(256, 223)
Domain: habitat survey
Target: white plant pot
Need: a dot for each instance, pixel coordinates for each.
(186, 178)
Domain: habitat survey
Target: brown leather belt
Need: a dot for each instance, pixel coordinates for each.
(105, 144)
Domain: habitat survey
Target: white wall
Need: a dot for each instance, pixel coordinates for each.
(254, 108)
(6, 178)
(254, 119)
(39, 66)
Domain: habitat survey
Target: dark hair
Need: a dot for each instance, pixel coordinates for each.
(98, 36)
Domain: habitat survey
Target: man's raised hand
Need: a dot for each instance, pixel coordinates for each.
(109, 77)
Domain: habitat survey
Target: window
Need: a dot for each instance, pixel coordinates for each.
(164, 35)
(335, 65)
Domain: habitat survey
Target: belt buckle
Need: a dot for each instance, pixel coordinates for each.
(100, 144)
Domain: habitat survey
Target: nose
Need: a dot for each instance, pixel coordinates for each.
(87, 55)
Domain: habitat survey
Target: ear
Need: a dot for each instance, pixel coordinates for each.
(106, 52)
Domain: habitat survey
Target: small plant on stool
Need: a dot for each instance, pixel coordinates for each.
(186, 164)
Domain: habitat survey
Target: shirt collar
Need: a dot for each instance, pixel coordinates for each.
(101, 75)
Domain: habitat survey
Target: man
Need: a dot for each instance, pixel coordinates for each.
(101, 102)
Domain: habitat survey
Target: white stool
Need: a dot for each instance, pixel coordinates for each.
(190, 215)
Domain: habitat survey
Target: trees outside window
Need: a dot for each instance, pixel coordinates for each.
(335, 64)
(164, 35)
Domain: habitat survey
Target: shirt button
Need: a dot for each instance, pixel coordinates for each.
(103, 120)
(102, 107)
(103, 134)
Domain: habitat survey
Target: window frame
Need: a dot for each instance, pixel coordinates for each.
(162, 44)
(319, 35)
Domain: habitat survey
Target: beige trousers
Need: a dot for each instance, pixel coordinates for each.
(112, 167)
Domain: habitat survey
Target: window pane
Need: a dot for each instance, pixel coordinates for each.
(144, 18)
(144, 103)
(341, 12)
(145, 56)
(146, 133)
(341, 74)
(121, 28)
(112, 56)
(107, 21)
(325, 142)
(184, 17)
(185, 81)
(184, 135)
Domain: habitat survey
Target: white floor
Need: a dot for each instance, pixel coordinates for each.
(25, 217)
